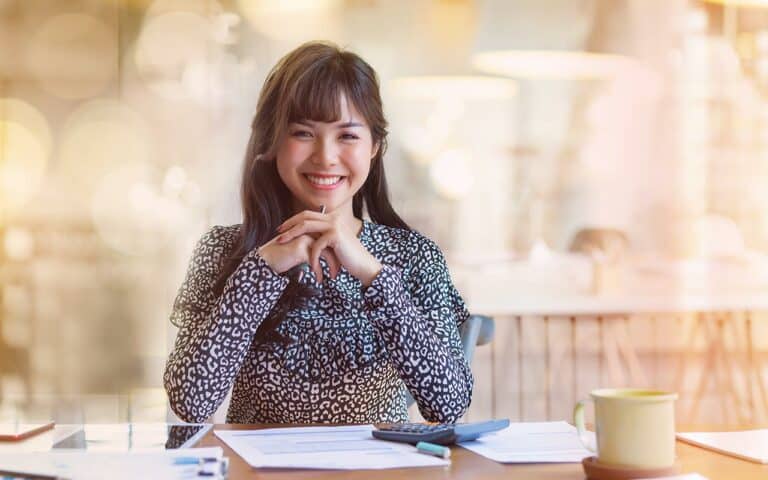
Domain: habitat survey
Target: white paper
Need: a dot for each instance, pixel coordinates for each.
(531, 442)
(343, 448)
(749, 445)
(82, 465)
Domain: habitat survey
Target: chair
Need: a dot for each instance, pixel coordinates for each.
(477, 330)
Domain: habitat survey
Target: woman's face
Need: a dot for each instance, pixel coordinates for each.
(326, 163)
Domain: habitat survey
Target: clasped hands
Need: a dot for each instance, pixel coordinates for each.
(308, 236)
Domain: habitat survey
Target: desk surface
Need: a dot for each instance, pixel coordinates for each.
(466, 464)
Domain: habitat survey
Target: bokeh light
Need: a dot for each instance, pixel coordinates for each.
(97, 137)
(435, 107)
(132, 212)
(223, 23)
(456, 87)
(167, 45)
(73, 56)
(741, 3)
(552, 64)
(199, 7)
(452, 174)
(292, 19)
(22, 113)
(19, 244)
(23, 165)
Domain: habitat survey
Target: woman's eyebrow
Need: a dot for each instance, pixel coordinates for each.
(341, 125)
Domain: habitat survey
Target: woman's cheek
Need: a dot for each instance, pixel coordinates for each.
(296, 151)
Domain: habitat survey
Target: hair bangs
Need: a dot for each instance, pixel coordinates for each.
(317, 95)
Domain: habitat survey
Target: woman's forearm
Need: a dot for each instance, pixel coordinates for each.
(425, 348)
(209, 350)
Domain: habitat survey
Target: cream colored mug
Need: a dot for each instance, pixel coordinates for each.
(634, 427)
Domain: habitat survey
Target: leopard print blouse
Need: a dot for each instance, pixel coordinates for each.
(353, 352)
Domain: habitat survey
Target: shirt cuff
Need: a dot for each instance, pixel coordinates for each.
(256, 270)
(385, 289)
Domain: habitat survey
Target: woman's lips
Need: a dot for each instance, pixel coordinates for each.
(323, 182)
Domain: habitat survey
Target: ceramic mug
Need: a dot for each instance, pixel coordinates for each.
(634, 427)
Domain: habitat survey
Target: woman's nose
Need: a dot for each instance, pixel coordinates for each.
(326, 153)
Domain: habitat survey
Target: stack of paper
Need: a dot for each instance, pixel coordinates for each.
(344, 448)
(749, 445)
(81, 465)
(531, 442)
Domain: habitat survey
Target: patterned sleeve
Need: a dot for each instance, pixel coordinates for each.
(215, 333)
(418, 321)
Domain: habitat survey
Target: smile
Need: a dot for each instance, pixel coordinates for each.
(324, 183)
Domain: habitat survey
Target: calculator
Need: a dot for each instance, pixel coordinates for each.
(439, 433)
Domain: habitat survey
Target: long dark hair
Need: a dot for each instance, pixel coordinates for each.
(306, 84)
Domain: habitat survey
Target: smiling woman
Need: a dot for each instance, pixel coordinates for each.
(378, 314)
(326, 163)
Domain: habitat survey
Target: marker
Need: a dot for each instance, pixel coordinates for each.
(193, 460)
(432, 449)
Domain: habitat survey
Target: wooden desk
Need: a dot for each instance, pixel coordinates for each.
(467, 465)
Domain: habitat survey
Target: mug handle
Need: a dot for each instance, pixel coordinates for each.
(578, 420)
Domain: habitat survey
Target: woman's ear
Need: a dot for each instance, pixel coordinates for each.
(375, 149)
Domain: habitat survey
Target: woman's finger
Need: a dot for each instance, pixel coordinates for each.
(308, 226)
(333, 262)
(314, 255)
(298, 218)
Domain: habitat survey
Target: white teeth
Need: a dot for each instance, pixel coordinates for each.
(323, 180)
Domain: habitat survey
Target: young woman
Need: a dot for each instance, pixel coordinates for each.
(375, 312)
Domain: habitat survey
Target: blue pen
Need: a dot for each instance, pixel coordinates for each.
(432, 449)
(193, 460)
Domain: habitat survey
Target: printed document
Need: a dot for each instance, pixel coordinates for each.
(342, 447)
(751, 445)
(531, 442)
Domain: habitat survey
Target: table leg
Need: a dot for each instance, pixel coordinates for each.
(547, 373)
(703, 380)
(520, 383)
(655, 346)
(689, 348)
(755, 369)
(601, 353)
(612, 358)
(493, 379)
(626, 347)
(750, 368)
(574, 368)
(724, 383)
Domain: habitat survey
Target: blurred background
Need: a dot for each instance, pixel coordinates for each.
(595, 171)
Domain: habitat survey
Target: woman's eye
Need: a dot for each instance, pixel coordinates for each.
(349, 136)
(301, 133)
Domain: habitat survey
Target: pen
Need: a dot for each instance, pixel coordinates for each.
(432, 449)
(27, 476)
(193, 460)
